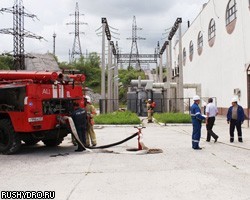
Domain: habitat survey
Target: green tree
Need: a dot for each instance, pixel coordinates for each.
(6, 62)
(89, 66)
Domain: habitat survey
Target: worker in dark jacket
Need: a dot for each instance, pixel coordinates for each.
(235, 117)
(79, 117)
(196, 121)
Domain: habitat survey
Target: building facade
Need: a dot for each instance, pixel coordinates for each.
(216, 53)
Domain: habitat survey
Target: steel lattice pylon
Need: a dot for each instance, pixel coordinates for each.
(76, 50)
(18, 32)
(134, 47)
(18, 39)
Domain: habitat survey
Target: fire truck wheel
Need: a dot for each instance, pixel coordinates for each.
(53, 142)
(31, 142)
(10, 142)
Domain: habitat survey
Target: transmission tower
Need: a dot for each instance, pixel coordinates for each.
(134, 53)
(76, 50)
(18, 32)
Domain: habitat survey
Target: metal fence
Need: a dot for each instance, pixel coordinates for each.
(138, 106)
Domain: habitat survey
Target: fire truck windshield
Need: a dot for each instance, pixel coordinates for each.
(12, 98)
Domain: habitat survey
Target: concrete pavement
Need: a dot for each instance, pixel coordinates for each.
(220, 171)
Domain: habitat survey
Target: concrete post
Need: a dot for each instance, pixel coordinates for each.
(180, 79)
(116, 81)
(103, 91)
(112, 80)
(169, 73)
(109, 79)
(160, 69)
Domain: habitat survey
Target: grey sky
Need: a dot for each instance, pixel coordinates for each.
(152, 16)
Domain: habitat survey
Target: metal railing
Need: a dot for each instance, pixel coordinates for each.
(162, 105)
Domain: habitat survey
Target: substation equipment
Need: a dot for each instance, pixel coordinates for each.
(142, 90)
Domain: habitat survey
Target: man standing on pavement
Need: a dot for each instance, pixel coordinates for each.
(79, 117)
(91, 112)
(235, 117)
(211, 112)
(196, 122)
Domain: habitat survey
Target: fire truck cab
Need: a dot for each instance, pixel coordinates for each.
(32, 105)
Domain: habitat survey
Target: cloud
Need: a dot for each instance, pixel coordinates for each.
(152, 16)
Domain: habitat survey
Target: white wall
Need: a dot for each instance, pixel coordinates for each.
(221, 68)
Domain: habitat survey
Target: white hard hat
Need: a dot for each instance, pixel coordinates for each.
(234, 99)
(149, 99)
(88, 98)
(196, 97)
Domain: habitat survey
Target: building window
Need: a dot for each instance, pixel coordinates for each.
(184, 56)
(211, 33)
(231, 16)
(200, 43)
(231, 11)
(191, 50)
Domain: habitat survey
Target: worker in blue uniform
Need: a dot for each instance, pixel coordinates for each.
(196, 121)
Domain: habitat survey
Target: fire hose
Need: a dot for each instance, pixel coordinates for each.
(145, 150)
(74, 132)
(116, 143)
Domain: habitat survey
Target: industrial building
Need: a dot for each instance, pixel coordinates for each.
(216, 53)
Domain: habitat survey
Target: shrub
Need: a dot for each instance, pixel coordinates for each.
(172, 118)
(126, 117)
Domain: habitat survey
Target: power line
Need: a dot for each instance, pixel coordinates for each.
(19, 32)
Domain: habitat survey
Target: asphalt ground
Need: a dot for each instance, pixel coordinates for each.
(219, 171)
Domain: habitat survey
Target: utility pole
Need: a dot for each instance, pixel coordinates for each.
(54, 44)
(109, 105)
(169, 74)
(134, 47)
(180, 79)
(18, 32)
(105, 31)
(103, 90)
(165, 90)
(116, 79)
(160, 54)
(180, 92)
(111, 49)
(76, 50)
(157, 51)
(112, 79)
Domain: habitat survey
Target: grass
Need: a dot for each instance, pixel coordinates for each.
(172, 118)
(126, 117)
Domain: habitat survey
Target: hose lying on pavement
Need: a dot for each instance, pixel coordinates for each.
(145, 150)
(116, 143)
(74, 132)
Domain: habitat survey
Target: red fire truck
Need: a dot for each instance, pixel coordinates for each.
(32, 104)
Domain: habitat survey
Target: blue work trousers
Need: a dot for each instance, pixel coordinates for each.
(196, 133)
